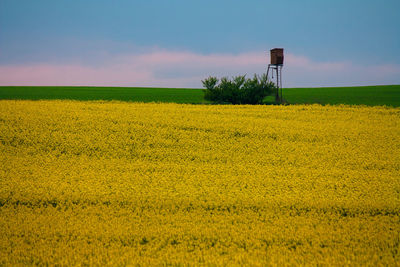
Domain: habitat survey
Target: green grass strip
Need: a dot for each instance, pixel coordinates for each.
(388, 95)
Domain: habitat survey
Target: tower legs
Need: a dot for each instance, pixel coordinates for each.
(278, 72)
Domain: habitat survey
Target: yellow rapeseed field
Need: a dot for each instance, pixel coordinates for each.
(112, 183)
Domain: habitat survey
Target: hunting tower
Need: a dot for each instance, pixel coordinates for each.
(276, 66)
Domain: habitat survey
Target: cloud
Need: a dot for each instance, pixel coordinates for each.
(164, 68)
(301, 72)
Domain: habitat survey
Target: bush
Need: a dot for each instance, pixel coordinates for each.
(239, 90)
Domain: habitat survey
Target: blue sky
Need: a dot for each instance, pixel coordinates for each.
(177, 43)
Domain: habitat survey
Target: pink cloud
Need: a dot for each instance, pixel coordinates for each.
(187, 69)
(44, 74)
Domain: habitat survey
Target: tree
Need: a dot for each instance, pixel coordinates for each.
(238, 90)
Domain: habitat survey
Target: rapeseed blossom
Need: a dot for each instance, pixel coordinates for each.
(113, 183)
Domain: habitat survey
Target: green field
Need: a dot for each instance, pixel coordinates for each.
(388, 95)
(136, 94)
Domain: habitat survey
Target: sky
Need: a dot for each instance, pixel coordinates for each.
(178, 43)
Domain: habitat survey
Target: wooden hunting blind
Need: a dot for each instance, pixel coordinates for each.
(276, 65)
(277, 56)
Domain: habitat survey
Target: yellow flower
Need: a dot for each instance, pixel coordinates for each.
(113, 183)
